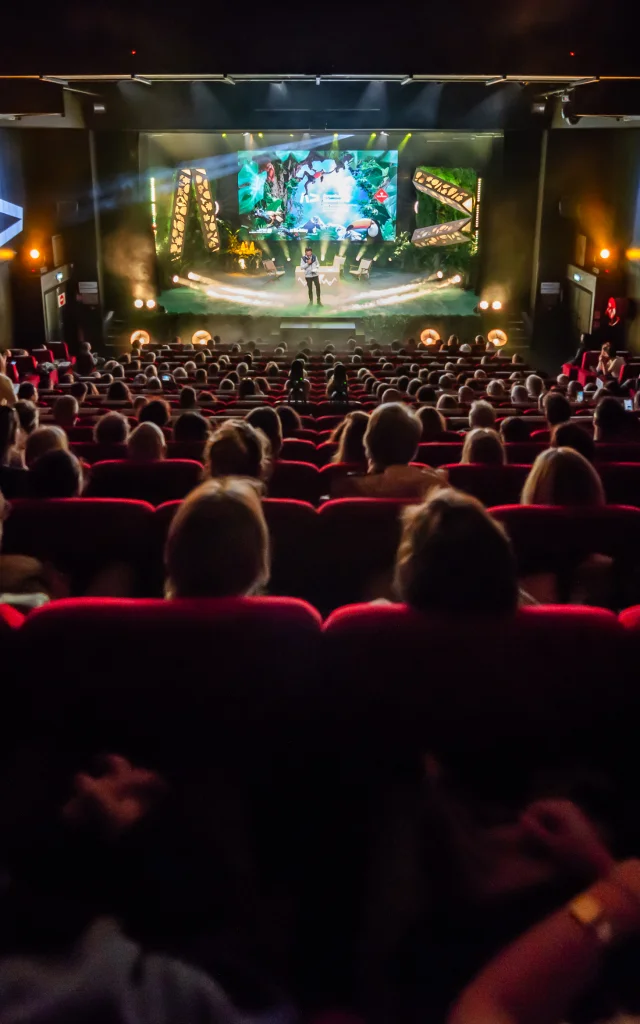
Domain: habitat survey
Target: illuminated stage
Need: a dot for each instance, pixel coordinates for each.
(386, 293)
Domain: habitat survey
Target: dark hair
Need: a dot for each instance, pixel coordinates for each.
(455, 559)
(156, 411)
(112, 428)
(514, 428)
(247, 388)
(556, 409)
(188, 398)
(27, 391)
(426, 394)
(610, 420)
(267, 420)
(290, 420)
(57, 474)
(190, 426)
(570, 435)
(433, 423)
(118, 392)
(79, 390)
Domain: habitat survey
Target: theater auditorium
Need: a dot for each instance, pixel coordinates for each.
(319, 543)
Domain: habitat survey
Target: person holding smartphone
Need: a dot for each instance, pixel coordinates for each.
(311, 267)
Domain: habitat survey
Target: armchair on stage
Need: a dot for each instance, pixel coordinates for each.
(272, 270)
(362, 270)
(338, 263)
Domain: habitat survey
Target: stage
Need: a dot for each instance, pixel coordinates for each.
(386, 293)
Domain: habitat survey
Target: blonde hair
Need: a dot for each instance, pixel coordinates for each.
(218, 543)
(483, 446)
(237, 449)
(454, 558)
(43, 440)
(146, 443)
(561, 476)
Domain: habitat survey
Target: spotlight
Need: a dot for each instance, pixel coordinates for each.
(384, 134)
(439, 275)
(175, 278)
(288, 259)
(99, 108)
(498, 338)
(605, 254)
(200, 338)
(496, 304)
(151, 303)
(138, 303)
(260, 135)
(245, 135)
(483, 304)
(224, 135)
(429, 336)
(34, 254)
(390, 258)
(456, 280)
(140, 338)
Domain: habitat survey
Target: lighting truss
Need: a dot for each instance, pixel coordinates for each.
(196, 177)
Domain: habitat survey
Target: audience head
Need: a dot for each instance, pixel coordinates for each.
(43, 440)
(290, 420)
(65, 411)
(556, 409)
(483, 446)
(56, 474)
(237, 449)
(156, 411)
(118, 392)
(495, 389)
(433, 423)
(574, 388)
(27, 391)
(466, 395)
(351, 440)
(218, 543)
(570, 435)
(610, 421)
(561, 476)
(427, 395)
(146, 443)
(392, 436)
(112, 428)
(520, 395)
(514, 429)
(267, 420)
(190, 426)
(482, 414)
(28, 416)
(188, 398)
(441, 540)
(447, 403)
(534, 385)
(247, 388)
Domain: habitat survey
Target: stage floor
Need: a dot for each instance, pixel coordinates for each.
(387, 292)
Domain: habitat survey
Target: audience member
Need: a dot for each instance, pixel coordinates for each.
(483, 446)
(454, 559)
(218, 543)
(290, 420)
(570, 435)
(28, 392)
(610, 421)
(43, 440)
(118, 392)
(514, 429)
(56, 474)
(350, 437)
(146, 443)
(65, 412)
(237, 449)
(556, 409)
(482, 414)
(534, 385)
(156, 411)
(112, 428)
(561, 476)
(267, 420)
(188, 398)
(190, 426)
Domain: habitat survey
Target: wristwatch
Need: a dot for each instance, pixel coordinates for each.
(588, 911)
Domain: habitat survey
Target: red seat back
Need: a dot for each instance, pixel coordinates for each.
(299, 480)
(492, 485)
(155, 482)
(91, 451)
(296, 449)
(621, 481)
(435, 453)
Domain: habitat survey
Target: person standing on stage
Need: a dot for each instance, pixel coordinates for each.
(311, 267)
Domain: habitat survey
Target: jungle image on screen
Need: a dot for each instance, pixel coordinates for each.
(319, 193)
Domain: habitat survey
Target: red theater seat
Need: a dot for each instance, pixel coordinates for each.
(155, 482)
(295, 449)
(489, 484)
(90, 451)
(79, 536)
(435, 453)
(325, 452)
(523, 452)
(10, 619)
(624, 451)
(621, 482)
(299, 480)
(479, 690)
(193, 450)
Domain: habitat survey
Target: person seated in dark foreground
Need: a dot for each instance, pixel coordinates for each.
(539, 977)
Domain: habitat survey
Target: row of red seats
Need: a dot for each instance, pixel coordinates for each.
(332, 555)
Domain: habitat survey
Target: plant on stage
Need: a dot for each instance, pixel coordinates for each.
(434, 211)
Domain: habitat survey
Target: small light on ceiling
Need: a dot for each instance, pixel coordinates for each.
(496, 304)
(138, 303)
(483, 304)
(151, 303)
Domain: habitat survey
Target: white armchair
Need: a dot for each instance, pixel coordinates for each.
(271, 269)
(362, 269)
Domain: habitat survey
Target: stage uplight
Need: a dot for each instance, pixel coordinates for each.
(404, 142)
(390, 259)
(138, 303)
(456, 279)
(200, 338)
(498, 338)
(151, 303)
(260, 135)
(175, 278)
(496, 304)
(288, 259)
(605, 254)
(439, 275)
(34, 254)
(429, 336)
(224, 135)
(140, 338)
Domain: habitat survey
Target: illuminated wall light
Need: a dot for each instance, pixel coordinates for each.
(429, 336)
(34, 254)
(498, 338)
(260, 135)
(496, 304)
(483, 304)
(200, 338)
(6, 255)
(151, 303)
(175, 278)
(140, 338)
(605, 254)
(138, 303)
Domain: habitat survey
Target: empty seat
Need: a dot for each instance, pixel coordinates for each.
(325, 452)
(298, 480)
(621, 481)
(155, 482)
(296, 449)
(80, 536)
(523, 452)
(492, 485)
(193, 450)
(435, 453)
(91, 451)
(623, 451)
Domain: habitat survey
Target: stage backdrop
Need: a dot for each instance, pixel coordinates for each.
(409, 201)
